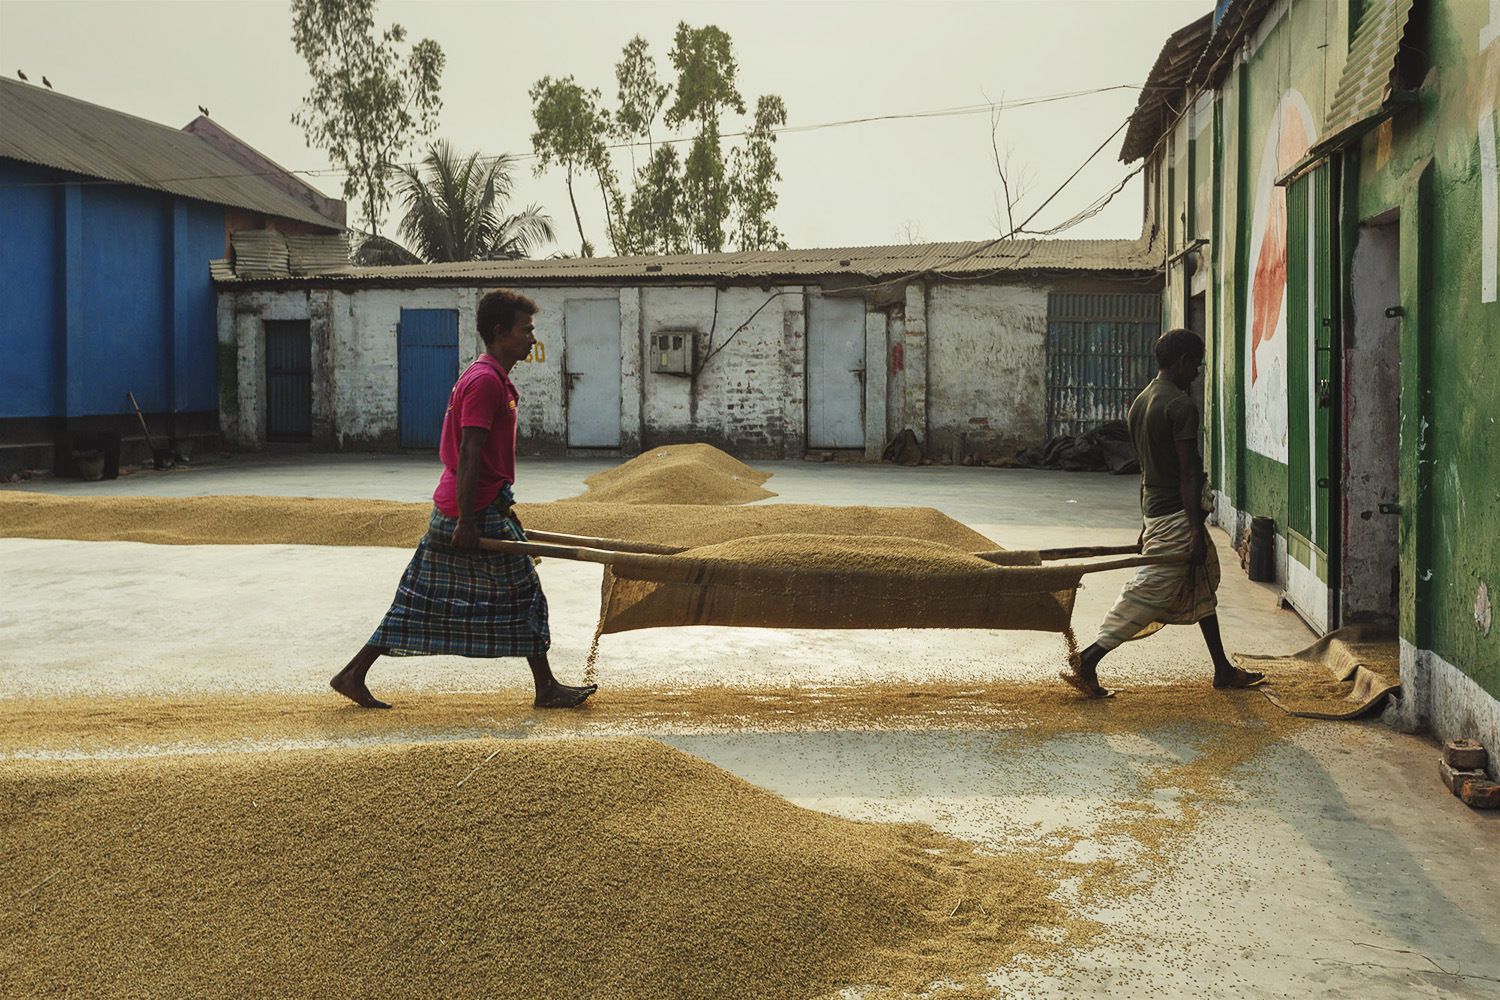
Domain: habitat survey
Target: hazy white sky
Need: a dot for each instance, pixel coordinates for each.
(866, 184)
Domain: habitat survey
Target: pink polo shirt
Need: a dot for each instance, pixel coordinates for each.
(484, 396)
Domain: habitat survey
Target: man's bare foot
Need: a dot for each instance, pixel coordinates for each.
(1084, 686)
(1234, 677)
(563, 696)
(355, 691)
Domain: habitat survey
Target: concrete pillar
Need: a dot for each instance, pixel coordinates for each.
(794, 372)
(228, 368)
(914, 341)
(324, 399)
(632, 365)
(250, 335)
(875, 387)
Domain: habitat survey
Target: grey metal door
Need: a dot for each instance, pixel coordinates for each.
(835, 372)
(591, 328)
(288, 380)
(1100, 355)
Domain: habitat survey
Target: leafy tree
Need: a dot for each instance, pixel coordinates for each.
(753, 179)
(571, 129)
(457, 212)
(655, 223)
(706, 68)
(367, 103)
(675, 203)
(641, 96)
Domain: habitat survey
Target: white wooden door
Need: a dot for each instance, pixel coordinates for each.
(835, 372)
(592, 365)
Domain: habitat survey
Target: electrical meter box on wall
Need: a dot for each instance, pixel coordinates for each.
(672, 351)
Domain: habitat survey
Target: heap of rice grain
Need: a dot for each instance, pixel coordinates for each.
(253, 520)
(702, 454)
(213, 520)
(594, 868)
(678, 474)
(843, 553)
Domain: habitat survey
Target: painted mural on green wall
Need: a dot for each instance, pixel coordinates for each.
(1285, 141)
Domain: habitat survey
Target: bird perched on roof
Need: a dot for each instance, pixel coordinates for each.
(46, 83)
(203, 111)
(21, 75)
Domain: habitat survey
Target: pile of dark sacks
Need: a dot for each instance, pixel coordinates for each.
(1106, 448)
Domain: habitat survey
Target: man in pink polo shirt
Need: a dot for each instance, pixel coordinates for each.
(456, 599)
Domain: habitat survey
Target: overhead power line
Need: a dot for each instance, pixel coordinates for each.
(988, 107)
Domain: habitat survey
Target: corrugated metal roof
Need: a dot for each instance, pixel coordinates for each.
(972, 259)
(265, 253)
(1365, 85)
(1237, 20)
(1162, 99)
(53, 130)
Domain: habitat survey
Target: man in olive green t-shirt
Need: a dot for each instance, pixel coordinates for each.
(1164, 428)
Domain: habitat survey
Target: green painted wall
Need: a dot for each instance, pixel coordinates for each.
(1426, 162)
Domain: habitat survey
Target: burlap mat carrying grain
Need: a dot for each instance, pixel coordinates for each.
(1343, 675)
(828, 581)
(678, 474)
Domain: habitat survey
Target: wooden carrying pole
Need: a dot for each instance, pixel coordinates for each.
(656, 548)
(619, 557)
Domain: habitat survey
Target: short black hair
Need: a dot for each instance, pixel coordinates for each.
(499, 309)
(1174, 345)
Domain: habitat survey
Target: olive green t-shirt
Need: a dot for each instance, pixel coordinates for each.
(1161, 416)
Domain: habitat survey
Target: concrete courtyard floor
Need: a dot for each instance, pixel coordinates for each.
(1336, 866)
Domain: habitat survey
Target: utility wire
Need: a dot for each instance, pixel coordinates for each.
(968, 109)
(1094, 208)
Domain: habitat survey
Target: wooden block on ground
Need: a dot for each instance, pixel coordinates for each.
(1465, 755)
(1454, 777)
(1480, 793)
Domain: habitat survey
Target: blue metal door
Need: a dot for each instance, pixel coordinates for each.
(427, 348)
(288, 380)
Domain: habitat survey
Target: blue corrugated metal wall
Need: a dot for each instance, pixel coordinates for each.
(31, 290)
(197, 238)
(125, 336)
(427, 345)
(106, 290)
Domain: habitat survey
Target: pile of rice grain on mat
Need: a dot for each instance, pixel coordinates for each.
(691, 526)
(584, 868)
(843, 553)
(678, 474)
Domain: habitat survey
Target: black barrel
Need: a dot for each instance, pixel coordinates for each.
(1262, 566)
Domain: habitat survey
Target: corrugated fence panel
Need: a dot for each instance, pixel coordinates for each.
(288, 380)
(1099, 357)
(427, 344)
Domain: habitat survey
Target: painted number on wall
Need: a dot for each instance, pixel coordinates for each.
(538, 353)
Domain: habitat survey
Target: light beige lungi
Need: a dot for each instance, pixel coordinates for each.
(1174, 594)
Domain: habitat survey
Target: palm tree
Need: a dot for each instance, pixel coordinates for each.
(456, 212)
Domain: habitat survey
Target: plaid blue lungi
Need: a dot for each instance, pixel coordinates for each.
(480, 603)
